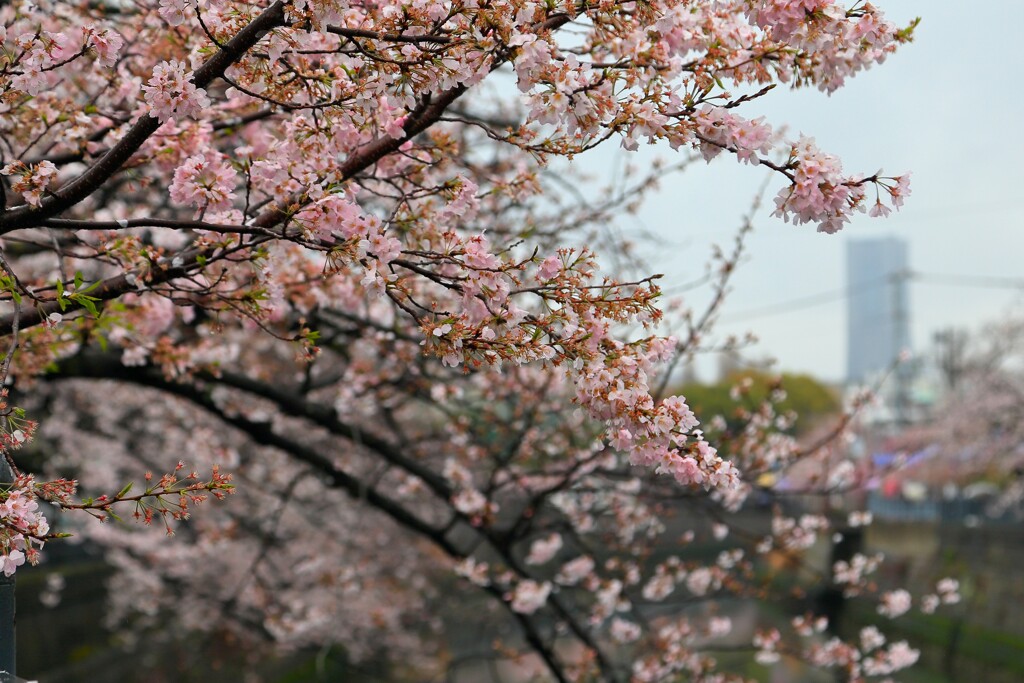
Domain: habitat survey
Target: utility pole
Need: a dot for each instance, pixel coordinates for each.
(951, 353)
(900, 339)
(8, 650)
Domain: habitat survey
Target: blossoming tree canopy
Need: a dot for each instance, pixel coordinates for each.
(179, 175)
(331, 237)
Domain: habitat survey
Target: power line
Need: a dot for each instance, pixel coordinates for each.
(814, 300)
(984, 281)
(805, 302)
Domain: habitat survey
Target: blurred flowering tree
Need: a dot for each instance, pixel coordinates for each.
(976, 429)
(328, 246)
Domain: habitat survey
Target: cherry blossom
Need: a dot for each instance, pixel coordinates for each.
(320, 245)
(529, 596)
(11, 561)
(170, 93)
(204, 181)
(31, 181)
(894, 603)
(543, 549)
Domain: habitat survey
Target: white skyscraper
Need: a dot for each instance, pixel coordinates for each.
(878, 312)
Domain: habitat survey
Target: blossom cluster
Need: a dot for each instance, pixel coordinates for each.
(798, 534)
(867, 658)
(23, 527)
(41, 54)
(30, 181)
(894, 603)
(206, 182)
(529, 596)
(947, 592)
(843, 41)
(719, 129)
(852, 574)
(335, 241)
(821, 194)
(171, 94)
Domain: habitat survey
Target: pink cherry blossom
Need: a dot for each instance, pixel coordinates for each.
(358, 270)
(10, 561)
(30, 181)
(544, 549)
(171, 94)
(529, 596)
(205, 181)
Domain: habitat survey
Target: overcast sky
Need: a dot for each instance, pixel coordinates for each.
(948, 108)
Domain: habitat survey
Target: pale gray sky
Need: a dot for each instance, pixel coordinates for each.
(949, 109)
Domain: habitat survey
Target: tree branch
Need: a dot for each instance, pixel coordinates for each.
(26, 216)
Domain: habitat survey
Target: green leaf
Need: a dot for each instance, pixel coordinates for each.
(87, 302)
(60, 296)
(87, 289)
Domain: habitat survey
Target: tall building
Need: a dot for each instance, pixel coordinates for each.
(878, 308)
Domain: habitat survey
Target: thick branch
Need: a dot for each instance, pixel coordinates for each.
(429, 112)
(105, 366)
(97, 366)
(170, 223)
(26, 216)
(325, 416)
(346, 32)
(115, 287)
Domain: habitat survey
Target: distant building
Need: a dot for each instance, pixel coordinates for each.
(878, 309)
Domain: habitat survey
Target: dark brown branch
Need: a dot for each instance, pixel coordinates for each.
(293, 404)
(70, 224)
(115, 287)
(97, 366)
(388, 37)
(110, 163)
(106, 366)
